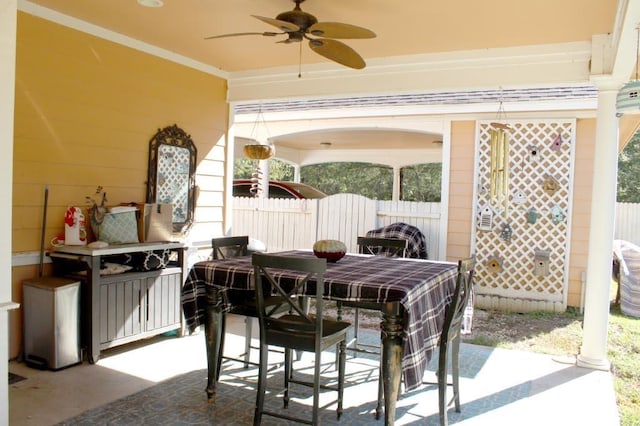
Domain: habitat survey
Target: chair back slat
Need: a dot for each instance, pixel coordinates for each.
(227, 247)
(461, 295)
(268, 273)
(390, 247)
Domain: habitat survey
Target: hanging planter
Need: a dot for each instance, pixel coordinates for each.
(258, 151)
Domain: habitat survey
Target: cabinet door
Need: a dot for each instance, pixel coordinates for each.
(163, 299)
(120, 309)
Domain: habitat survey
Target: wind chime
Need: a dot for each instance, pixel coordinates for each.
(258, 151)
(499, 174)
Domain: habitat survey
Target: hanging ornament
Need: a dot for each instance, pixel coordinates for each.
(550, 185)
(557, 142)
(259, 151)
(534, 154)
(532, 215)
(499, 173)
(541, 263)
(628, 99)
(506, 232)
(557, 215)
(519, 197)
(485, 218)
(494, 264)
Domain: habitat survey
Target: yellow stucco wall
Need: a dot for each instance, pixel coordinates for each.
(85, 111)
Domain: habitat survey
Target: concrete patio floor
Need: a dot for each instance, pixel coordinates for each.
(498, 386)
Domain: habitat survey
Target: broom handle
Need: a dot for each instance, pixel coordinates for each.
(44, 225)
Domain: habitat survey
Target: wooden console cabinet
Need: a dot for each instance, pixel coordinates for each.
(122, 308)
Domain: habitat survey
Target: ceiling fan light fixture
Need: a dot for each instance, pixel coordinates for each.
(151, 3)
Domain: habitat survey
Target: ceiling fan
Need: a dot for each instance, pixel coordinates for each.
(299, 25)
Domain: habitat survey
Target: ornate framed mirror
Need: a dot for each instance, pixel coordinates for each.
(171, 178)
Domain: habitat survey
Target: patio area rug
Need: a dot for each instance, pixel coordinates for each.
(182, 399)
(15, 378)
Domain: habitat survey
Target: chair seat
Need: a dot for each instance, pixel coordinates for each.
(249, 308)
(293, 332)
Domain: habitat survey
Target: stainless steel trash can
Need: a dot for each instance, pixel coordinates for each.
(51, 307)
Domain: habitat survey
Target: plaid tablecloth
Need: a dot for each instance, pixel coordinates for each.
(416, 241)
(424, 288)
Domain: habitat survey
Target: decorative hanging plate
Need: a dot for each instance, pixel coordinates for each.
(550, 185)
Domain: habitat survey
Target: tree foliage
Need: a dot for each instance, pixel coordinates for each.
(629, 172)
(243, 168)
(374, 181)
(419, 182)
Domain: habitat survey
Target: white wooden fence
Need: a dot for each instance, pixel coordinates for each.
(296, 224)
(628, 222)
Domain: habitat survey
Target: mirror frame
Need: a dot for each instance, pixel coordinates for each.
(175, 137)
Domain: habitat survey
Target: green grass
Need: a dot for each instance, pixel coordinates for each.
(624, 355)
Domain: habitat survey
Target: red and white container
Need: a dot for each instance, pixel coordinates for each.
(75, 231)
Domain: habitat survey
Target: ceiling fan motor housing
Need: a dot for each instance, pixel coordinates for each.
(302, 19)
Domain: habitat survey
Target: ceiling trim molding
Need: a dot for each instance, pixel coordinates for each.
(524, 66)
(97, 31)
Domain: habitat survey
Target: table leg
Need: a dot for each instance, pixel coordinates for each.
(212, 331)
(392, 338)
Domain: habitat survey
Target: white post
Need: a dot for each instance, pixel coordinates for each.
(593, 353)
(8, 34)
(395, 195)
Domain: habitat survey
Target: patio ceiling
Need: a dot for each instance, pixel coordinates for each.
(438, 51)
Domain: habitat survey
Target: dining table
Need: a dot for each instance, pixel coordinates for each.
(412, 295)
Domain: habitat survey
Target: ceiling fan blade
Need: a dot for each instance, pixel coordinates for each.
(337, 52)
(339, 30)
(282, 25)
(266, 33)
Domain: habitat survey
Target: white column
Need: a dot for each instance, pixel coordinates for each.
(296, 173)
(395, 194)
(593, 353)
(8, 34)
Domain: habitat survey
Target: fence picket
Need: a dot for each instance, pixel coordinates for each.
(289, 224)
(628, 222)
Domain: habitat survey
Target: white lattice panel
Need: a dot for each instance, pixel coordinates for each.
(173, 179)
(527, 173)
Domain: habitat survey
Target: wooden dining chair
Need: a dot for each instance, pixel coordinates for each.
(228, 247)
(389, 247)
(296, 330)
(450, 338)
(242, 302)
